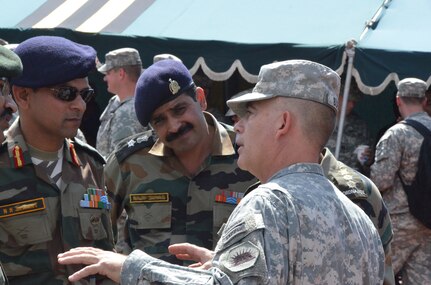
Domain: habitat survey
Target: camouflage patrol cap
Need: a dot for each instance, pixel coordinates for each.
(52, 60)
(10, 64)
(412, 87)
(160, 83)
(120, 57)
(300, 79)
(163, 56)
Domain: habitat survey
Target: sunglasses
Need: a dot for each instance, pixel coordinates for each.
(69, 93)
(4, 86)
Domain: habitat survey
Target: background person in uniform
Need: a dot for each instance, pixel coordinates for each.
(295, 228)
(398, 152)
(43, 175)
(122, 69)
(355, 134)
(182, 186)
(10, 66)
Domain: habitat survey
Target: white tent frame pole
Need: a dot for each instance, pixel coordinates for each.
(350, 51)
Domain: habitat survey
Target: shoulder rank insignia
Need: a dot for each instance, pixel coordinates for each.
(174, 87)
(73, 154)
(18, 157)
(22, 207)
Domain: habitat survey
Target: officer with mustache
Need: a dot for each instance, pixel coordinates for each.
(178, 182)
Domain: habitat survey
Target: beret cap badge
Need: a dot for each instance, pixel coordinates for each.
(174, 87)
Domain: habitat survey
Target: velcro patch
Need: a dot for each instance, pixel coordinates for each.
(149, 198)
(241, 257)
(22, 207)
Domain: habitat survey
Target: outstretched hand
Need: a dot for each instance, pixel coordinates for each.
(186, 251)
(98, 261)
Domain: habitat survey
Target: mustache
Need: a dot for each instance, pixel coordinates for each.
(182, 130)
(7, 111)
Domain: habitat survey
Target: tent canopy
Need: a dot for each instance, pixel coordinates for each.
(218, 36)
(397, 45)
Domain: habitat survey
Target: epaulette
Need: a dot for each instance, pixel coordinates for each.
(134, 143)
(230, 130)
(349, 182)
(79, 144)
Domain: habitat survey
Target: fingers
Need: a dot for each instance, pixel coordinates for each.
(83, 273)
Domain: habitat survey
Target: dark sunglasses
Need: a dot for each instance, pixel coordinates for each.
(4, 86)
(69, 93)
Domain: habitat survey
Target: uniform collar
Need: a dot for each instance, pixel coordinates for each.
(18, 150)
(222, 145)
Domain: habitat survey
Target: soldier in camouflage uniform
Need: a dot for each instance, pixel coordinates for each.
(122, 69)
(45, 177)
(295, 228)
(10, 66)
(183, 186)
(364, 193)
(397, 155)
(355, 133)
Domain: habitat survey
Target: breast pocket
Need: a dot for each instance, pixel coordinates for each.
(93, 223)
(151, 216)
(221, 213)
(27, 229)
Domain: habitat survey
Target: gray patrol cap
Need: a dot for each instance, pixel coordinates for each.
(163, 56)
(300, 79)
(412, 87)
(120, 57)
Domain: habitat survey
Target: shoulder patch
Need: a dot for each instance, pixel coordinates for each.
(79, 144)
(349, 182)
(134, 143)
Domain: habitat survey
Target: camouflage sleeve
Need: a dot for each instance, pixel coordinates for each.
(124, 123)
(387, 159)
(115, 188)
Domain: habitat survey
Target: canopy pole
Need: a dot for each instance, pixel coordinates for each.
(350, 51)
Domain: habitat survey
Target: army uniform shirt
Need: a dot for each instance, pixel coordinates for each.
(364, 193)
(295, 229)
(398, 151)
(163, 204)
(355, 133)
(118, 121)
(41, 217)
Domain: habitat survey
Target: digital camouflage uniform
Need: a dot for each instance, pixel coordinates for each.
(165, 206)
(355, 133)
(38, 220)
(295, 229)
(364, 193)
(2, 276)
(117, 122)
(398, 150)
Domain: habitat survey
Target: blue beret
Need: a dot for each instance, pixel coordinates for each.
(160, 83)
(49, 61)
(10, 64)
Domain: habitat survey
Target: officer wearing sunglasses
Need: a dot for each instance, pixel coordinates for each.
(10, 66)
(51, 187)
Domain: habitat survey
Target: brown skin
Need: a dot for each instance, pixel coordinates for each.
(45, 120)
(184, 116)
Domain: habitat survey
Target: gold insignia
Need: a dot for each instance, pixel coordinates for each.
(22, 207)
(149, 198)
(174, 87)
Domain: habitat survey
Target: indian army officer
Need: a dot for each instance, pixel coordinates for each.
(182, 186)
(50, 186)
(10, 66)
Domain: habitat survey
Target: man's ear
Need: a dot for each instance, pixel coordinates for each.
(200, 97)
(21, 96)
(283, 123)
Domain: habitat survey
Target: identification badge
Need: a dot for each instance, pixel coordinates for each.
(22, 207)
(149, 198)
